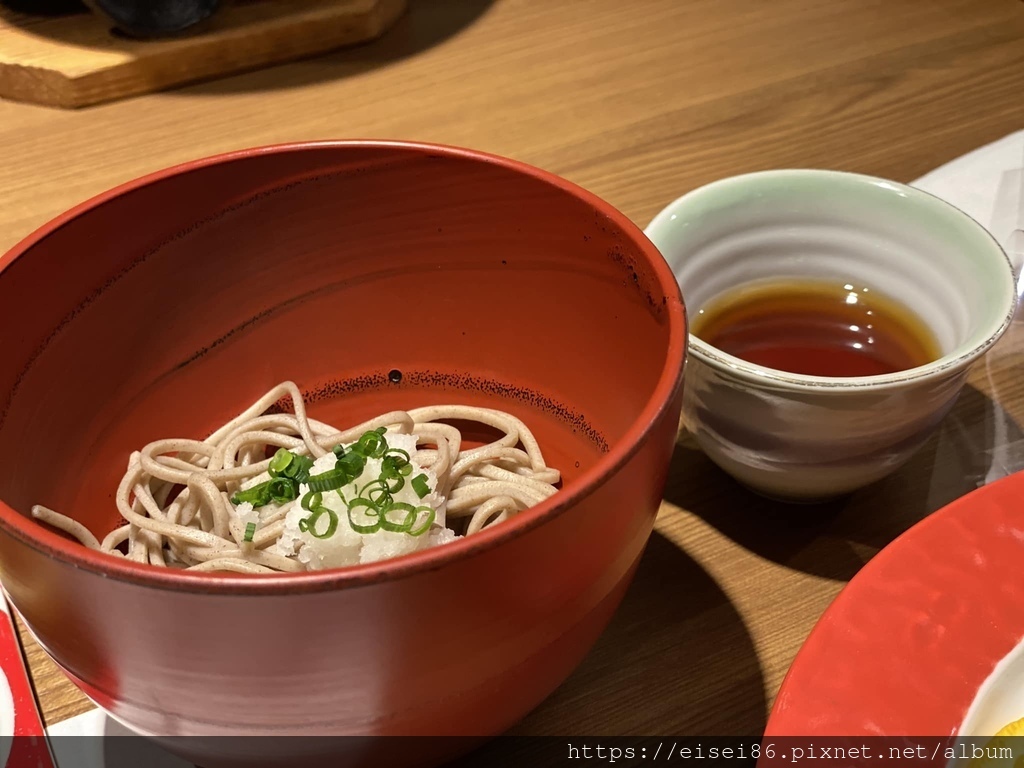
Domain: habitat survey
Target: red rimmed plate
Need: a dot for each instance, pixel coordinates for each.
(19, 715)
(907, 645)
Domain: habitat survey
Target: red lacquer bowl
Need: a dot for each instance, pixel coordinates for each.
(165, 306)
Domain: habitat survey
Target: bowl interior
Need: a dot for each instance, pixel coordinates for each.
(853, 230)
(165, 307)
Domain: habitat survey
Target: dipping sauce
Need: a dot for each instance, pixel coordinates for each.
(816, 328)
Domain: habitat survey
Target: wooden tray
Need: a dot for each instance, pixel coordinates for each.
(75, 61)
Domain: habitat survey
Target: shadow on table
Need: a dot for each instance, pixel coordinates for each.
(425, 24)
(976, 443)
(676, 659)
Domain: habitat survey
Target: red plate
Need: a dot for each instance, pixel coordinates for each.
(19, 716)
(904, 648)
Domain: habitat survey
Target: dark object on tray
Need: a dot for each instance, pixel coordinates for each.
(154, 18)
(45, 7)
(136, 18)
(77, 60)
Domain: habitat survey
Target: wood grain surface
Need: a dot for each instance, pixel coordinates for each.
(638, 101)
(79, 60)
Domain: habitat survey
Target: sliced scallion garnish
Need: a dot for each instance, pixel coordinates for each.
(371, 512)
(431, 516)
(282, 489)
(258, 495)
(371, 445)
(280, 462)
(310, 500)
(377, 493)
(403, 526)
(298, 470)
(396, 456)
(291, 466)
(250, 531)
(419, 484)
(330, 480)
(393, 482)
(308, 524)
(352, 463)
(374, 507)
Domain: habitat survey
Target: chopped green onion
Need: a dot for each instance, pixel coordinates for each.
(396, 527)
(308, 525)
(298, 470)
(290, 465)
(374, 507)
(280, 462)
(419, 484)
(391, 467)
(371, 445)
(393, 482)
(376, 492)
(431, 515)
(258, 495)
(283, 489)
(396, 464)
(391, 455)
(331, 480)
(371, 512)
(353, 464)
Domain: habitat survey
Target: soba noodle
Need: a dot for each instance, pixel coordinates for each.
(325, 497)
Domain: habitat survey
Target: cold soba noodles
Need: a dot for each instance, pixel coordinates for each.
(325, 498)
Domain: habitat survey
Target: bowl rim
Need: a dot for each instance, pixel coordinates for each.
(764, 376)
(670, 381)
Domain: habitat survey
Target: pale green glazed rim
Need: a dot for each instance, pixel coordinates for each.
(855, 191)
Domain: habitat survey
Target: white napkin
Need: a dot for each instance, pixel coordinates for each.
(988, 185)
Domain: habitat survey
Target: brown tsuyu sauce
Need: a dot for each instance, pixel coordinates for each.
(816, 328)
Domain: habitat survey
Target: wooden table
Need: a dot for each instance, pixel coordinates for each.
(638, 101)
